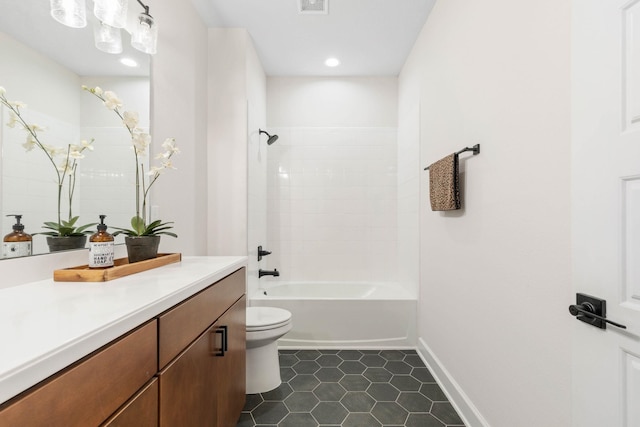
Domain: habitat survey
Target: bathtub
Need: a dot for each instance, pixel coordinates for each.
(343, 315)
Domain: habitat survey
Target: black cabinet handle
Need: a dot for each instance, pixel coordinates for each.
(588, 309)
(222, 330)
(225, 334)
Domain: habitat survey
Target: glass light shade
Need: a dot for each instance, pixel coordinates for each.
(145, 34)
(72, 13)
(107, 38)
(111, 12)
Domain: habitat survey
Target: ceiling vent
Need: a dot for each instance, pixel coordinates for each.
(314, 7)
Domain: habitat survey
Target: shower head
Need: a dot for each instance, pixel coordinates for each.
(272, 138)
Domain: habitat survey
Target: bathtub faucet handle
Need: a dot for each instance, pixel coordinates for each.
(262, 253)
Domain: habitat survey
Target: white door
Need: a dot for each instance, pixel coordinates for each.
(606, 209)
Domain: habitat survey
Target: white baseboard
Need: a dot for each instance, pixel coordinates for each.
(460, 401)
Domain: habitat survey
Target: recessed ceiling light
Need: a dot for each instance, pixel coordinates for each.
(332, 62)
(128, 62)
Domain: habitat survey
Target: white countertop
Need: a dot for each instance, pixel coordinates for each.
(46, 325)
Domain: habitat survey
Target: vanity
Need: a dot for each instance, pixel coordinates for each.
(164, 347)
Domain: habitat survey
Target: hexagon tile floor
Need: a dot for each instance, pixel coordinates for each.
(351, 388)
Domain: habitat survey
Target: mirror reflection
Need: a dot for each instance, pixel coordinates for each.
(44, 65)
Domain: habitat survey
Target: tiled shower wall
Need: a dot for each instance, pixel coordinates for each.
(332, 204)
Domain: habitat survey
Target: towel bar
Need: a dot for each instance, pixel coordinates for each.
(475, 149)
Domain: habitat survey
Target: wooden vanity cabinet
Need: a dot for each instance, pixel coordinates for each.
(186, 368)
(204, 385)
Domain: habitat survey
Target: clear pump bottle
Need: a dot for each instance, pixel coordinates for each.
(101, 247)
(17, 243)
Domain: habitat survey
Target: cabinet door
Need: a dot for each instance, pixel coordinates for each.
(230, 369)
(187, 385)
(205, 384)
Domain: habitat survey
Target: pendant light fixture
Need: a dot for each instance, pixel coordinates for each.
(145, 33)
(107, 38)
(112, 16)
(72, 13)
(111, 12)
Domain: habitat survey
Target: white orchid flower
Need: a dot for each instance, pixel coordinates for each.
(13, 119)
(169, 144)
(167, 164)
(54, 151)
(111, 100)
(97, 90)
(87, 144)
(130, 119)
(140, 141)
(30, 143)
(155, 170)
(36, 128)
(75, 154)
(18, 104)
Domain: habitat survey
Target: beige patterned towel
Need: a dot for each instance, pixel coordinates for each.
(444, 190)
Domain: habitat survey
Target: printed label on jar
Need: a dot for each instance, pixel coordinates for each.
(100, 254)
(16, 249)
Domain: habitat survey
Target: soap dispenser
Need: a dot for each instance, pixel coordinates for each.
(101, 247)
(17, 243)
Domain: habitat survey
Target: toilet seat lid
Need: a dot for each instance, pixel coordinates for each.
(262, 317)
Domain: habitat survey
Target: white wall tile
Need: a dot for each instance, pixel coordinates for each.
(332, 199)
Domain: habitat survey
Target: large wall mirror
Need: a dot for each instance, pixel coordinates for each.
(44, 64)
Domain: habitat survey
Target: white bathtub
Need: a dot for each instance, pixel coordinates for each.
(343, 315)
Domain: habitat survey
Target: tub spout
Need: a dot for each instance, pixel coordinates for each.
(274, 273)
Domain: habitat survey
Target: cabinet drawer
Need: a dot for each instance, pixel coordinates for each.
(182, 324)
(88, 392)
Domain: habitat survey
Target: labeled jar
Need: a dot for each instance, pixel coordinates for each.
(101, 247)
(17, 243)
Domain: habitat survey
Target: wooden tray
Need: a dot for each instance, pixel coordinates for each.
(121, 268)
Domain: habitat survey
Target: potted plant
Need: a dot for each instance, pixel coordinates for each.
(143, 238)
(62, 234)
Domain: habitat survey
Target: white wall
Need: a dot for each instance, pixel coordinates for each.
(179, 110)
(237, 159)
(332, 102)
(227, 142)
(410, 178)
(332, 179)
(257, 165)
(495, 276)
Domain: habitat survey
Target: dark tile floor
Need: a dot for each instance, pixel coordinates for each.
(351, 388)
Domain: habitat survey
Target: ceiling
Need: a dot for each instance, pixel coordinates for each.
(369, 37)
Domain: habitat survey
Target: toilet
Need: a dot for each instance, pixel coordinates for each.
(264, 326)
